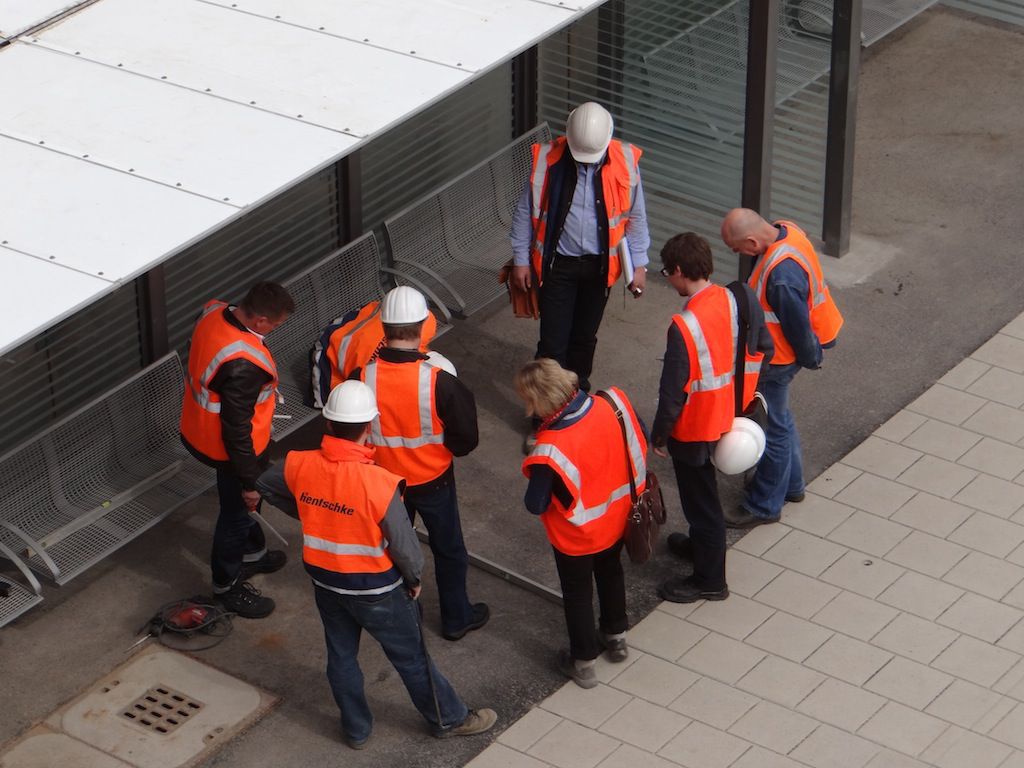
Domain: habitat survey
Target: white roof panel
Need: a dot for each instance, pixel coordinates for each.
(169, 135)
(16, 16)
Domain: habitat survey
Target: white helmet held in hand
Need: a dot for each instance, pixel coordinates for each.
(351, 402)
(740, 448)
(403, 306)
(589, 132)
(438, 360)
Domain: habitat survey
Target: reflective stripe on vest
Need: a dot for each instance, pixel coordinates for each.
(425, 407)
(784, 252)
(346, 342)
(201, 392)
(708, 381)
(580, 515)
(334, 548)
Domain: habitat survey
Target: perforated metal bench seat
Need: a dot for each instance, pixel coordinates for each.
(100, 477)
(455, 240)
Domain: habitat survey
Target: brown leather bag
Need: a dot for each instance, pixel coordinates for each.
(524, 303)
(647, 513)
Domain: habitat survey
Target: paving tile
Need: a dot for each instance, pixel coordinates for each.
(759, 757)
(781, 681)
(1015, 596)
(994, 457)
(847, 659)
(569, 745)
(830, 747)
(1011, 728)
(788, 636)
(980, 617)
(1013, 640)
(841, 704)
(797, 594)
(816, 514)
(855, 616)
(644, 725)
(993, 495)
(946, 404)
(964, 703)
(914, 638)
(586, 707)
(700, 746)
(928, 554)
(834, 479)
(736, 617)
(985, 574)
(1000, 385)
(863, 574)
(500, 756)
(627, 756)
(802, 552)
(1015, 760)
(1012, 683)
(902, 424)
(528, 729)
(1017, 556)
(869, 533)
(964, 374)
(881, 457)
(1002, 350)
(990, 534)
(1015, 327)
(679, 610)
(943, 440)
(777, 728)
(933, 515)
(976, 661)
(904, 729)
(608, 671)
(994, 716)
(713, 703)
(747, 574)
(908, 682)
(665, 636)
(999, 421)
(938, 476)
(921, 595)
(957, 748)
(762, 538)
(887, 759)
(875, 494)
(721, 657)
(655, 680)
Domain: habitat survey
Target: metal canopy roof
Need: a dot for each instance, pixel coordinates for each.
(129, 129)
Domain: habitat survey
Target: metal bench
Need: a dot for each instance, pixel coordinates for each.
(96, 479)
(454, 241)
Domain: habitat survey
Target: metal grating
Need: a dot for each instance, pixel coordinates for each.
(345, 280)
(162, 710)
(15, 600)
(100, 477)
(1011, 11)
(456, 239)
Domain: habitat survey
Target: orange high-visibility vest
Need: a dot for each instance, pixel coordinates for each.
(358, 341)
(825, 317)
(619, 178)
(215, 341)
(709, 329)
(341, 505)
(408, 434)
(590, 458)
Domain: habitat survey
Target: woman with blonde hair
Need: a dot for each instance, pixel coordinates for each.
(579, 488)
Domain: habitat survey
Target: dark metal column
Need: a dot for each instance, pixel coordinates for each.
(611, 34)
(524, 91)
(350, 197)
(842, 117)
(152, 299)
(760, 111)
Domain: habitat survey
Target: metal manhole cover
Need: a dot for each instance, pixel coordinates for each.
(162, 709)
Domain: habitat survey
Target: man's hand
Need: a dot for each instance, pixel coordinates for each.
(521, 278)
(639, 282)
(659, 450)
(251, 499)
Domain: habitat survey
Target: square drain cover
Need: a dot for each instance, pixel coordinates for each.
(162, 709)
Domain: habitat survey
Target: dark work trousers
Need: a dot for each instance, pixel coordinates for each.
(572, 301)
(698, 492)
(577, 575)
(438, 506)
(237, 534)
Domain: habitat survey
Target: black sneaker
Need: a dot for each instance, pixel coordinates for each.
(272, 560)
(243, 599)
(481, 614)
(741, 518)
(685, 590)
(679, 544)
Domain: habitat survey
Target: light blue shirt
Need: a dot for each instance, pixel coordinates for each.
(580, 234)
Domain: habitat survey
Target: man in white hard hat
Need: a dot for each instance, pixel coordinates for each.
(581, 215)
(698, 401)
(427, 417)
(365, 562)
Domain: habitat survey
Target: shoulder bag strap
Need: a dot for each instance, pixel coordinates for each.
(622, 425)
(742, 335)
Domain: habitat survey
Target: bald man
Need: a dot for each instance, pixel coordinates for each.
(803, 320)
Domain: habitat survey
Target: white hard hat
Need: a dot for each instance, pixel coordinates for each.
(351, 402)
(740, 448)
(402, 306)
(589, 132)
(438, 360)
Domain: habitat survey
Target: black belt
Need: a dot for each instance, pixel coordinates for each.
(584, 257)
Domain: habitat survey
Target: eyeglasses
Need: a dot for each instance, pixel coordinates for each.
(666, 272)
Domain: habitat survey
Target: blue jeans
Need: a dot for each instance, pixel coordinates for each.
(392, 621)
(438, 506)
(780, 472)
(236, 535)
